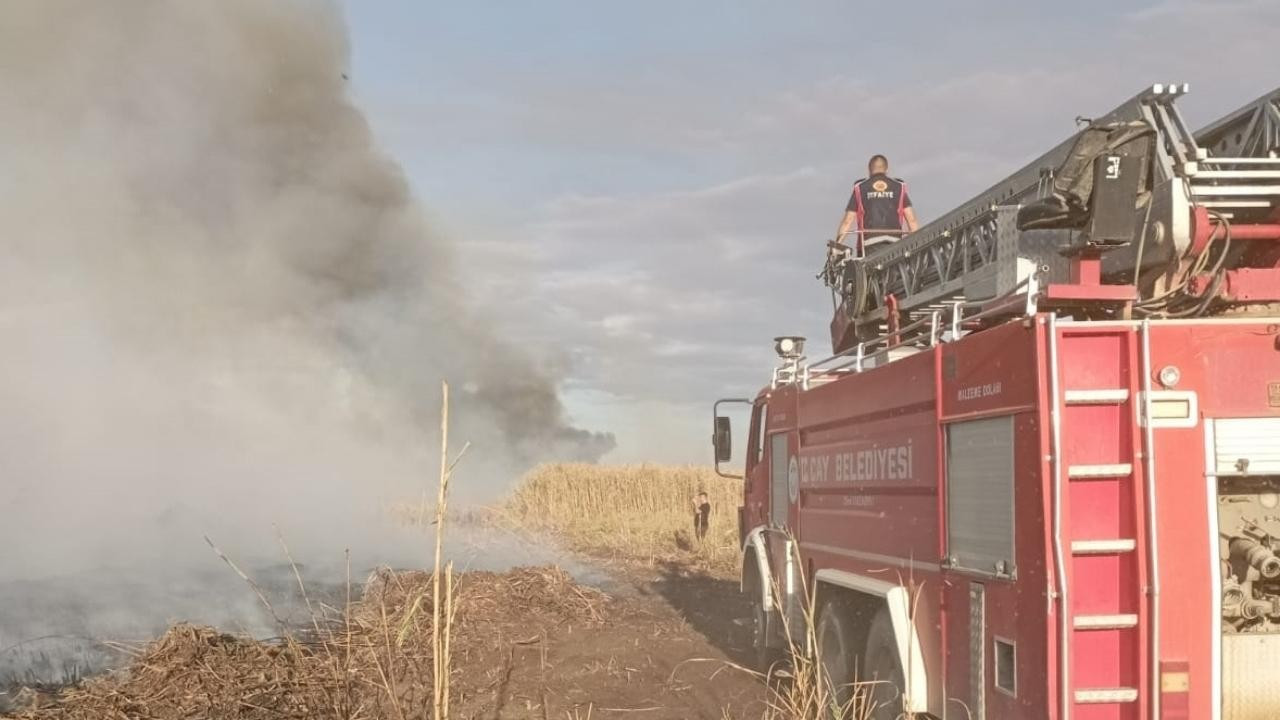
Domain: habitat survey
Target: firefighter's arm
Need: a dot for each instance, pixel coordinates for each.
(909, 214)
(849, 217)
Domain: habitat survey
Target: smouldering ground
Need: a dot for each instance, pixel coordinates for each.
(657, 641)
(529, 643)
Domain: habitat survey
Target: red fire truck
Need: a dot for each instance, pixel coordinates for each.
(1040, 476)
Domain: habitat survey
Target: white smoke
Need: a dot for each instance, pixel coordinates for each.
(220, 306)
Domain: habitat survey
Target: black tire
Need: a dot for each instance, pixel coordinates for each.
(882, 668)
(857, 287)
(837, 655)
(763, 657)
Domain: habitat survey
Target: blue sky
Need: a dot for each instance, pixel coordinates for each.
(640, 192)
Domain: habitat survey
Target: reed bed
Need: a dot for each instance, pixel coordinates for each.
(632, 512)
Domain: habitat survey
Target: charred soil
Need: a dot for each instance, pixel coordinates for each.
(659, 642)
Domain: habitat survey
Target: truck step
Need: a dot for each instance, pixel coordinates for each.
(1093, 696)
(1106, 622)
(1103, 547)
(1096, 397)
(1078, 472)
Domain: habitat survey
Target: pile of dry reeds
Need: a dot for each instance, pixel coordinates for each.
(372, 661)
(199, 672)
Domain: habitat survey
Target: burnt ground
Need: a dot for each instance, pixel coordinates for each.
(655, 640)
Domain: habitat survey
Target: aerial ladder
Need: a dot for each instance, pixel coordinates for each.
(1135, 216)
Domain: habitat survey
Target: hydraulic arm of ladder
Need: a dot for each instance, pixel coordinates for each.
(1184, 188)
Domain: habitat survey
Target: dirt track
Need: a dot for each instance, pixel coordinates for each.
(661, 648)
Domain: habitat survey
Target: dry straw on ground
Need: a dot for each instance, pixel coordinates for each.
(632, 511)
(373, 661)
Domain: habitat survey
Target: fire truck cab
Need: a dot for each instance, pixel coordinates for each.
(1060, 501)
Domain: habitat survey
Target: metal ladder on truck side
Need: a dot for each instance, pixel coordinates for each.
(1102, 528)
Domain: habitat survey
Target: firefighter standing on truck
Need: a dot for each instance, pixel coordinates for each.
(880, 206)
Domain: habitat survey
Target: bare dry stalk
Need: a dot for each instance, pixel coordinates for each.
(346, 612)
(257, 590)
(914, 590)
(440, 629)
(388, 673)
(448, 631)
(321, 635)
(438, 686)
(302, 587)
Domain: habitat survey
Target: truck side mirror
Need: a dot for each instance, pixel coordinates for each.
(722, 439)
(722, 435)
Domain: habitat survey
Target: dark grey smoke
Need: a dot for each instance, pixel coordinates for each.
(220, 306)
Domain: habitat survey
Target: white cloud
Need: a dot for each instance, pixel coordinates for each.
(669, 285)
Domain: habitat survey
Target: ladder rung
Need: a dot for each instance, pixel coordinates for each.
(1097, 397)
(1103, 547)
(1106, 622)
(1234, 204)
(1106, 695)
(1100, 471)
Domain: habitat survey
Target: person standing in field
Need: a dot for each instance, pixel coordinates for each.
(701, 515)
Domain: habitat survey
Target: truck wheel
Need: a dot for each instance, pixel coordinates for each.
(883, 669)
(837, 655)
(763, 655)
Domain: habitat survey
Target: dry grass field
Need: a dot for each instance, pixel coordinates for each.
(632, 512)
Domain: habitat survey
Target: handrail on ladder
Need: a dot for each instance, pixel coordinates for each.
(929, 326)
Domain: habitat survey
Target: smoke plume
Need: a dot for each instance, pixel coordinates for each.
(221, 307)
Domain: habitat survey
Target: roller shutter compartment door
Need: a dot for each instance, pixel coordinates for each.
(980, 495)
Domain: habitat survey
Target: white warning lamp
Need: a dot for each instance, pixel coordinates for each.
(789, 347)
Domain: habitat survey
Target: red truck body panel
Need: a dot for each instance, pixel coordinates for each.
(868, 468)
